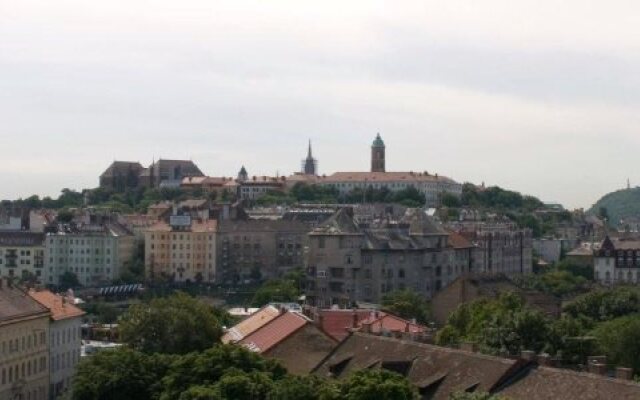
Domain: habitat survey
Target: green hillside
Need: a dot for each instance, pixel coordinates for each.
(620, 204)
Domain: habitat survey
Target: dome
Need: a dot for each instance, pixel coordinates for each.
(378, 141)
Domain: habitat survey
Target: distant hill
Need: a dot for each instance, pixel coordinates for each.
(620, 204)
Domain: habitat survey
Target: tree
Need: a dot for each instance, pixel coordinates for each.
(605, 304)
(120, 374)
(279, 290)
(406, 304)
(68, 280)
(377, 384)
(498, 326)
(64, 216)
(176, 325)
(209, 367)
(619, 340)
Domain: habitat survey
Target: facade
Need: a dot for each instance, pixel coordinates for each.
(258, 249)
(121, 176)
(617, 261)
(431, 186)
(21, 254)
(258, 186)
(94, 253)
(501, 249)
(553, 250)
(183, 250)
(168, 173)
(65, 339)
(24, 335)
(349, 262)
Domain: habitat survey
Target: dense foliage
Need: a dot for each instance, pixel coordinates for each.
(175, 325)
(276, 291)
(503, 325)
(406, 304)
(562, 280)
(618, 205)
(223, 372)
(619, 339)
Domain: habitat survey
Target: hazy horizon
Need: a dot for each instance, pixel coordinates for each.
(533, 96)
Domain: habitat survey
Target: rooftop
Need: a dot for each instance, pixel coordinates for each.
(60, 307)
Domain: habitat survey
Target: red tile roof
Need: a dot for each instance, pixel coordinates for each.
(59, 306)
(254, 322)
(275, 332)
(337, 323)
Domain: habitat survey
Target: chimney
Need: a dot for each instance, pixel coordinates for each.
(598, 368)
(597, 359)
(545, 360)
(624, 373)
(469, 346)
(528, 355)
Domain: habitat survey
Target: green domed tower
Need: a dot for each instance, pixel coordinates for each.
(377, 155)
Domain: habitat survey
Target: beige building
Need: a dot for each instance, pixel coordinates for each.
(65, 339)
(259, 249)
(182, 250)
(21, 253)
(24, 348)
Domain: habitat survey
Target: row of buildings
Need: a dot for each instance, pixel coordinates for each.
(349, 253)
(40, 339)
(123, 175)
(333, 344)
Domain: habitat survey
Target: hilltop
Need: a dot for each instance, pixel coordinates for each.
(619, 204)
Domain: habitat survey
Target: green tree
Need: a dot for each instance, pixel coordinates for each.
(377, 384)
(279, 290)
(406, 304)
(619, 340)
(68, 280)
(605, 304)
(122, 374)
(209, 367)
(176, 325)
(497, 325)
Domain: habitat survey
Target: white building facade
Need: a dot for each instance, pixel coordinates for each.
(617, 262)
(96, 256)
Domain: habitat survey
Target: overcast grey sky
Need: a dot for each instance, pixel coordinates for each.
(538, 96)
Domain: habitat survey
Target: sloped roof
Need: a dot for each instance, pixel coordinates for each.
(16, 303)
(439, 370)
(274, 331)
(21, 239)
(336, 323)
(122, 167)
(386, 322)
(422, 224)
(384, 177)
(251, 324)
(457, 241)
(340, 223)
(559, 384)
(60, 308)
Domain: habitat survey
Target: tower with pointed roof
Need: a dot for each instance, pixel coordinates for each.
(243, 176)
(310, 164)
(377, 155)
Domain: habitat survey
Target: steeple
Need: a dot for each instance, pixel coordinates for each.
(310, 164)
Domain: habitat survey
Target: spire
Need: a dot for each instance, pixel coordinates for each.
(309, 154)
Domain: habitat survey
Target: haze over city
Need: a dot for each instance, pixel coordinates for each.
(538, 97)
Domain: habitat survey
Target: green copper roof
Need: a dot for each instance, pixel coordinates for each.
(378, 142)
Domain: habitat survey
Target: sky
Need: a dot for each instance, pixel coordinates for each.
(539, 96)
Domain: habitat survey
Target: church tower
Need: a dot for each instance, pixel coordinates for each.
(310, 164)
(377, 155)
